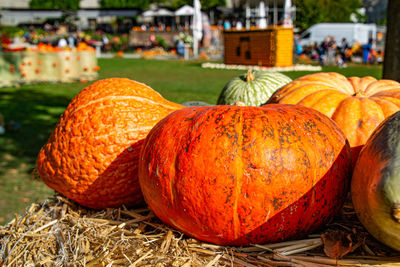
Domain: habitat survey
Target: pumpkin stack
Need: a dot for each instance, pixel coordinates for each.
(226, 174)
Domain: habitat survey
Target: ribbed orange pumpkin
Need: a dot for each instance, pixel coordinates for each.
(239, 175)
(358, 105)
(92, 155)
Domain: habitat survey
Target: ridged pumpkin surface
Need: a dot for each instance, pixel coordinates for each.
(92, 155)
(239, 175)
(375, 186)
(358, 105)
(253, 88)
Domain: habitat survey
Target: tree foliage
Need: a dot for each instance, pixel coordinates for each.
(310, 12)
(71, 5)
(144, 4)
(205, 4)
(141, 4)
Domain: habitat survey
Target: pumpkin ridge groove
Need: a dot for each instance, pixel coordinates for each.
(239, 176)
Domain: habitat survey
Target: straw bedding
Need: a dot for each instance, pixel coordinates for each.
(59, 232)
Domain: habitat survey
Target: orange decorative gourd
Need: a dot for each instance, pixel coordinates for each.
(240, 175)
(92, 155)
(358, 105)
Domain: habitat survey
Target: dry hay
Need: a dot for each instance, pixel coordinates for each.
(59, 232)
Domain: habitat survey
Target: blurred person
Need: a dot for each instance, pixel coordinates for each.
(71, 41)
(2, 124)
(180, 48)
(105, 41)
(339, 61)
(313, 51)
(152, 39)
(331, 53)
(239, 25)
(373, 55)
(62, 42)
(47, 27)
(366, 48)
(344, 49)
(297, 49)
(227, 25)
(322, 50)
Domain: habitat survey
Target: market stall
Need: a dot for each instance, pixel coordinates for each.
(272, 47)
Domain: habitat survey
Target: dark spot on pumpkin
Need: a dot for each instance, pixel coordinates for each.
(359, 123)
(228, 193)
(219, 118)
(306, 160)
(306, 203)
(309, 125)
(277, 203)
(251, 166)
(232, 178)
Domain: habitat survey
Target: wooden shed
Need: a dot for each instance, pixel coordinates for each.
(271, 47)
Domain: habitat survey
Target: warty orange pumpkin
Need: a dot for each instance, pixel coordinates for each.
(358, 105)
(92, 155)
(240, 175)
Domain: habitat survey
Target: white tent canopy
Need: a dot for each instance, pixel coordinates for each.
(185, 10)
(161, 12)
(148, 13)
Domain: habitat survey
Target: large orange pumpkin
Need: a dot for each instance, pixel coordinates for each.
(239, 175)
(92, 155)
(358, 105)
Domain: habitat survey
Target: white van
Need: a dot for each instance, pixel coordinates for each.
(353, 32)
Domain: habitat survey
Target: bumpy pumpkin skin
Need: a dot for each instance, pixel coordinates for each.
(253, 88)
(240, 175)
(358, 105)
(375, 186)
(92, 155)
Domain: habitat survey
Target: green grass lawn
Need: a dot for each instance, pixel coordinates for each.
(36, 109)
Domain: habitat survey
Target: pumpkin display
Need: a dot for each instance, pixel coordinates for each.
(375, 186)
(358, 105)
(253, 88)
(92, 155)
(239, 175)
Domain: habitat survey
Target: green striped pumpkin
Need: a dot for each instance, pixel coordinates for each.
(253, 88)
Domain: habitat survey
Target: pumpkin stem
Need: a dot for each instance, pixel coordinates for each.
(360, 94)
(396, 211)
(249, 77)
(240, 104)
